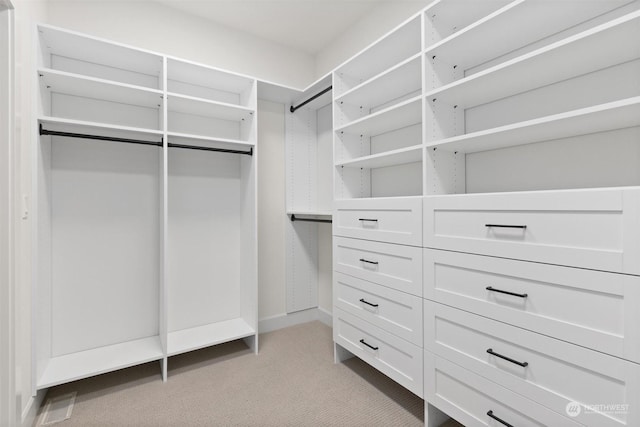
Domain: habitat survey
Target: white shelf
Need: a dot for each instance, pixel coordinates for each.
(309, 213)
(398, 116)
(495, 35)
(399, 80)
(75, 366)
(93, 50)
(207, 141)
(105, 90)
(591, 50)
(389, 158)
(203, 107)
(81, 126)
(207, 335)
(205, 76)
(610, 116)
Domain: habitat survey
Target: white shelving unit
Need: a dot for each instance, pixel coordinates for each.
(145, 249)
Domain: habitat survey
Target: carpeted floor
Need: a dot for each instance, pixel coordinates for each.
(291, 382)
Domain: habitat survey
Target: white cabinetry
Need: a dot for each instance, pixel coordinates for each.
(145, 219)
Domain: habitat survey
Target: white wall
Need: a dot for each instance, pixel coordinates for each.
(377, 23)
(165, 30)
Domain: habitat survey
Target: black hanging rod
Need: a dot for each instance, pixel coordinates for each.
(139, 141)
(317, 95)
(294, 218)
(99, 137)
(220, 150)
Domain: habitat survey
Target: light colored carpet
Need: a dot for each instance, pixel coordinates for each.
(291, 382)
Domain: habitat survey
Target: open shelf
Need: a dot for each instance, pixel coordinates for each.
(90, 87)
(591, 50)
(495, 35)
(203, 107)
(101, 58)
(75, 366)
(398, 116)
(399, 80)
(81, 126)
(614, 115)
(388, 158)
(207, 335)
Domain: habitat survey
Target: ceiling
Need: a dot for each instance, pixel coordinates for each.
(306, 25)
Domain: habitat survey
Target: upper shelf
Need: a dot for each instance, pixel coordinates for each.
(397, 157)
(202, 107)
(90, 87)
(495, 34)
(392, 83)
(591, 50)
(405, 114)
(614, 115)
(98, 58)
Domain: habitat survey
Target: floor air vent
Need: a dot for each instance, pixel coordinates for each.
(57, 409)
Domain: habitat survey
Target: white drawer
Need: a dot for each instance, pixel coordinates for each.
(393, 220)
(395, 312)
(559, 302)
(396, 266)
(548, 371)
(468, 398)
(398, 359)
(595, 229)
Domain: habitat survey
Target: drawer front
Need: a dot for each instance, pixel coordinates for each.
(396, 266)
(468, 398)
(395, 312)
(548, 371)
(559, 302)
(398, 359)
(594, 229)
(393, 220)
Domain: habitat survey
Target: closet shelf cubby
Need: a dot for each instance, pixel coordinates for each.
(591, 50)
(389, 158)
(600, 118)
(391, 84)
(65, 83)
(398, 116)
(207, 335)
(202, 107)
(495, 35)
(75, 366)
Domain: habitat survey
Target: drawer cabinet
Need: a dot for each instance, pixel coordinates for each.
(391, 355)
(594, 229)
(396, 312)
(475, 401)
(557, 301)
(393, 220)
(549, 371)
(396, 266)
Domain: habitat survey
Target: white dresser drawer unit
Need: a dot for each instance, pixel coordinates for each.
(594, 229)
(396, 312)
(549, 371)
(393, 220)
(396, 266)
(477, 402)
(398, 359)
(591, 308)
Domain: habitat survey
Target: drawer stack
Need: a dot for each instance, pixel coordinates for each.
(378, 285)
(530, 309)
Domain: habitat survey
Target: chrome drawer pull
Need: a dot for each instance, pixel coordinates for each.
(508, 359)
(505, 226)
(368, 345)
(367, 302)
(489, 288)
(370, 262)
(367, 219)
(490, 413)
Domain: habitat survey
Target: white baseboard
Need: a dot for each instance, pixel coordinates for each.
(31, 411)
(285, 320)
